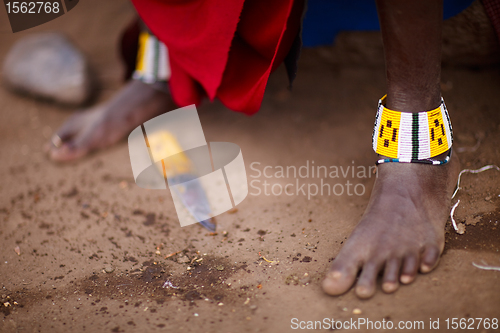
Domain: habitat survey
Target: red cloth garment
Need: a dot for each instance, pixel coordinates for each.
(492, 8)
(222, 49)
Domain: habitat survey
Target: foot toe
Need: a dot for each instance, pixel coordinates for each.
(71, 126)
(340, 278)
(365, 288)
(67, 152)
(410, 268)
(391, 275)
(430, 258)
(60, 147)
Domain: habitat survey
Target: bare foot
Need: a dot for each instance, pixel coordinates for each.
(106, 124)
(401, 232)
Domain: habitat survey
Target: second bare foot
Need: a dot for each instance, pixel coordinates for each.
(106, 124)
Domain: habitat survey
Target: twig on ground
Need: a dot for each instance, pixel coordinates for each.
(451, 216)
(486, 167)
(486, 267)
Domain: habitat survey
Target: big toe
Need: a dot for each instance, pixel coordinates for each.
(67, 152)
(340, 278)
(75, 145)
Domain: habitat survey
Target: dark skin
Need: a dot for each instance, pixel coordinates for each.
(402, 229)
(108, 123)
(411, 31)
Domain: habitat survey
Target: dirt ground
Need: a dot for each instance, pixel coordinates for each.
(93, 245)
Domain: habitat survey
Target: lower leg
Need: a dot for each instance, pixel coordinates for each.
(411, 32)
(402, 230)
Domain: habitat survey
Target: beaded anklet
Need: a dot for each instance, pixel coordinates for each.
(412, 137)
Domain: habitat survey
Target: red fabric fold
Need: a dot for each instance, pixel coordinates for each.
(222, 49)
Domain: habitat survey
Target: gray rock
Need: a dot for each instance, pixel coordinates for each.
(48, 66)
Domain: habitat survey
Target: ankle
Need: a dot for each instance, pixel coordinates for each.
(412, 100)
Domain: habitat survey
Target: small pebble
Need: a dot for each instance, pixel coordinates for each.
(461, 228)
(253, 307)
(306, 279)
(183, 259)
(356, 311)
(109, 269)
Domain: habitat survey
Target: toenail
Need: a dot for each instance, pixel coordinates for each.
(425, 268)
(56, 141)
(406, 279)
(389, 287)
(335, 275)
(363, 292)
